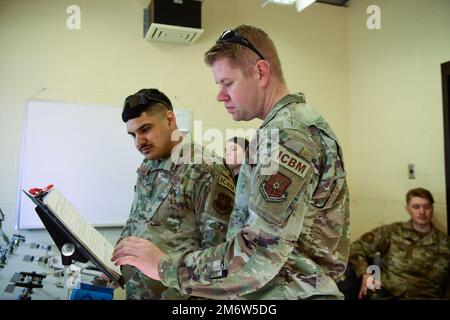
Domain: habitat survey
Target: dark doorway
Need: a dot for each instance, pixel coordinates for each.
(445, 69)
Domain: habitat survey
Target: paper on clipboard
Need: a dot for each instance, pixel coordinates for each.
(93, 243)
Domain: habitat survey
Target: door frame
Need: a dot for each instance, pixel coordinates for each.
(445, 72)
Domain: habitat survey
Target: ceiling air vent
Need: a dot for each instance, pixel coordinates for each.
(172, 34)
(174, 21)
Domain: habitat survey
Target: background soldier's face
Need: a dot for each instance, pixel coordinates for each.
(234, 155)
(152, 134)
(421, 210)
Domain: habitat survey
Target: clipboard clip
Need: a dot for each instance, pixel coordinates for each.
(39, 192)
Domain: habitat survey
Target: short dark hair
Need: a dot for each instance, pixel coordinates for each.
(242, 142)
(142, 101)
(421, 193)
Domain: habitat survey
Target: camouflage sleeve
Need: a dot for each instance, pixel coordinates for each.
(127, 229)
(213, 201)
(368, 245)
(256, 252)
(139, 191)
(446, 285)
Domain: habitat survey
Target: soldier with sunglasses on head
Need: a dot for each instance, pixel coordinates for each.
(181, 204)
(288, 234)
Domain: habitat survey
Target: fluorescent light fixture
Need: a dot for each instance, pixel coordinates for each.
(302, 4)
(282, 2)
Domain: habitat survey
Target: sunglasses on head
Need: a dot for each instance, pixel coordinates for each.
(143, 99)
(232, 36)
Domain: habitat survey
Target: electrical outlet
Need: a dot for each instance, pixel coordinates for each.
(411, 171)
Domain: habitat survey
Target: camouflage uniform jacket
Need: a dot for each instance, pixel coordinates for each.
(178, 206)
(414, 265)
(288, 233)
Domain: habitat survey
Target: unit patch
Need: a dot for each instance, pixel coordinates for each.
(274, 189)
(223, 204)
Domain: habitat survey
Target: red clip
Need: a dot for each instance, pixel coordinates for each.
(37, 191)
(48, 187)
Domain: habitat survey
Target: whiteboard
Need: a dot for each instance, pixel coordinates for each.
(85, 151)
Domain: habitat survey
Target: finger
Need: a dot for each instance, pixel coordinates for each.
(132, 261)
(126, 251)
(104, 276)
(134, 240)
(139, 243)
(116, 252)
(136, 243)
(119, 252)
(360, 294)
(363, 293)
(120, 245)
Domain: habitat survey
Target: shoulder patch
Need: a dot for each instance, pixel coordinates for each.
(274, 189)
(225, 182)
(293, 163)
(223, 203)
(368, 237)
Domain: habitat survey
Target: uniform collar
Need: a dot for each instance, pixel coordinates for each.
(428, 238)
(280, 105)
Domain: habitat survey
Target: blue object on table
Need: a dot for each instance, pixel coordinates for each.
(90, 292)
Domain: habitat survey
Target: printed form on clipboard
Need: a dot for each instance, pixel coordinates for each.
(70, 225)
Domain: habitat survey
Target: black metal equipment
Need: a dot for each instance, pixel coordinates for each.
(29, 281)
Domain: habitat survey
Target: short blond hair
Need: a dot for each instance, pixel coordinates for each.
(242, 57)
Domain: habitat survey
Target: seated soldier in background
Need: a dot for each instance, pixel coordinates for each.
(415, 255)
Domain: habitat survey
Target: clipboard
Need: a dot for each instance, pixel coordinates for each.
(62, 235)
